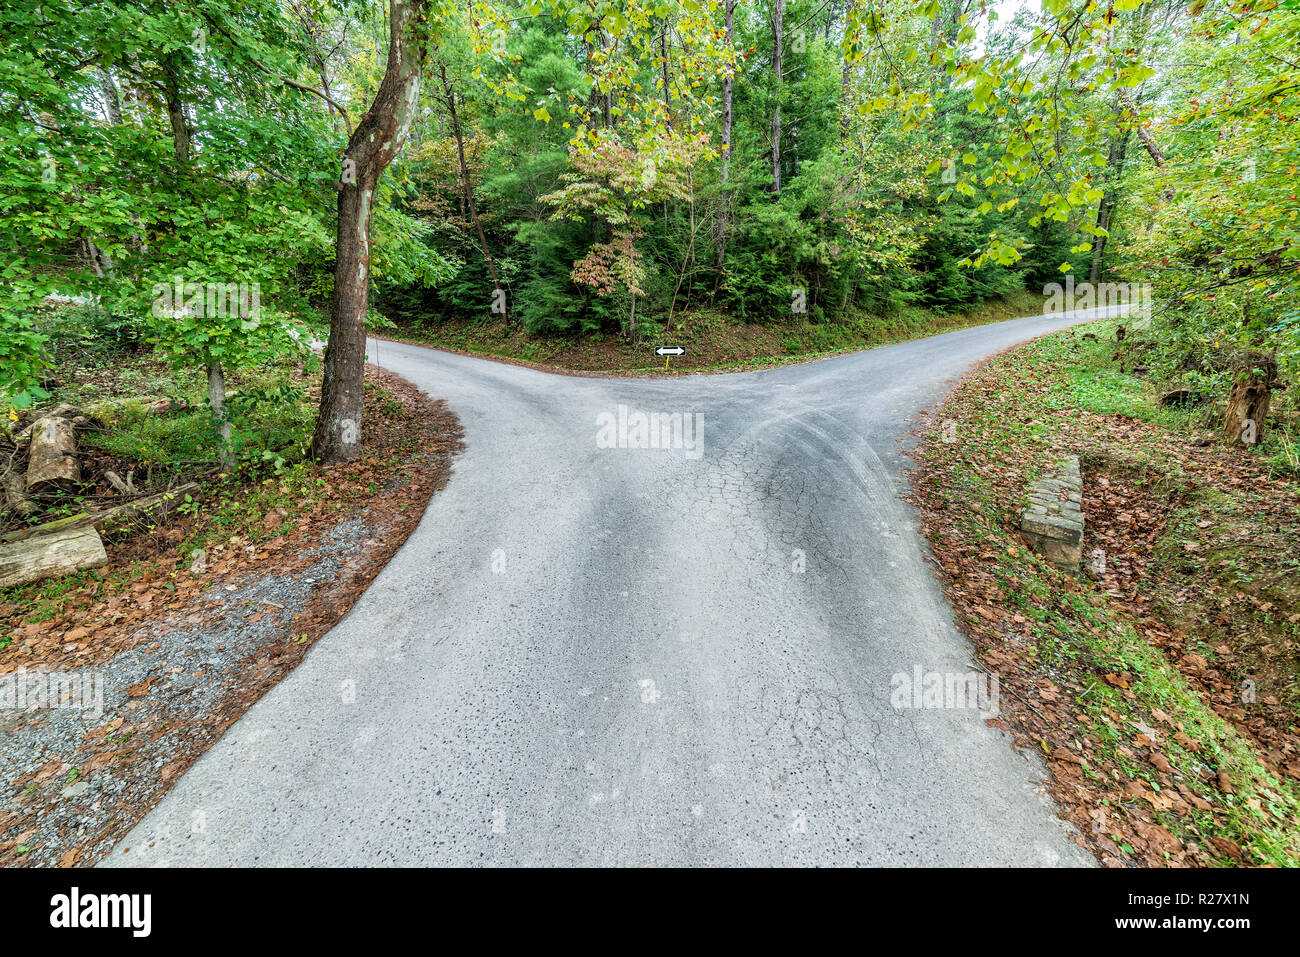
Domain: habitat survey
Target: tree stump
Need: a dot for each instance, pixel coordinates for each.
(1248, 401)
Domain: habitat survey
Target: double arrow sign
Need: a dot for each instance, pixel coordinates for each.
(667, 351)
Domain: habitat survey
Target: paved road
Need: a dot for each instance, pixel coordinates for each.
(639, 656)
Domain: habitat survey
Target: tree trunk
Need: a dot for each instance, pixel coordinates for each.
(668, 95)
(778, 14)
(217, 402)
(112, 102)
(450, 97)
(1105, 208)
(609, 94)
(181, 144)
(176, 108)
(688, 261)
(100, 263)
(728, 82)
(135, 88)
(1148, 141)
(131, 516)
(314, 29)
(606, 99)
(846, 121)
(323, 72)
(377, 139)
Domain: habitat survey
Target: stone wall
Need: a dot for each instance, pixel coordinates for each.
(1052, 524)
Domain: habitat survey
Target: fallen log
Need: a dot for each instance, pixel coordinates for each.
(163, 406)
(48, 555)
(80, 520)
(1181, 397)
(110, 521)
(143, 511)
(52, 463)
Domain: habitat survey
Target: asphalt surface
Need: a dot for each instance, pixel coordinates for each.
(639, 656)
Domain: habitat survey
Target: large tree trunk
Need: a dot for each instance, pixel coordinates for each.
(132, 516)
(1106, 207)
(778, 14)
(728, 82)
(377, 139)
(112, 101)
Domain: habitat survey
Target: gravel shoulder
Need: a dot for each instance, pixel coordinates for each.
(166, 668)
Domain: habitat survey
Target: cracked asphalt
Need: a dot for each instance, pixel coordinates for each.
(589, 655)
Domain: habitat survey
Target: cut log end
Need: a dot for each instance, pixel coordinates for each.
(17, 500)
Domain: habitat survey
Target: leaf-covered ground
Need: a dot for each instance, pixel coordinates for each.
(1161, 683)
(190, 623)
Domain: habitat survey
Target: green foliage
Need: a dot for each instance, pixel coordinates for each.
(929, 157)
(106, 198)
(1217, 231)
